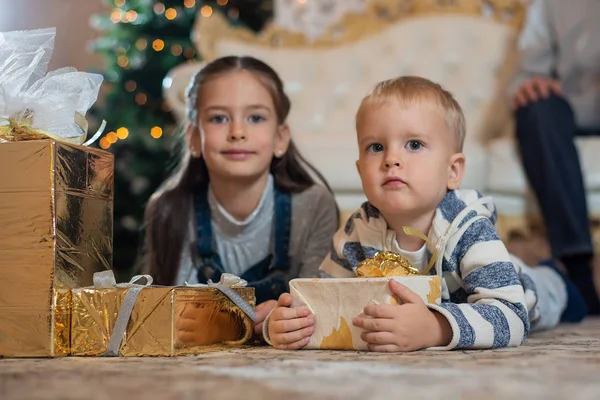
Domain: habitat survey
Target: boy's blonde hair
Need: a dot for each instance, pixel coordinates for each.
(412, 89)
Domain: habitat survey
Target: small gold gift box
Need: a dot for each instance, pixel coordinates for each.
(165, 321)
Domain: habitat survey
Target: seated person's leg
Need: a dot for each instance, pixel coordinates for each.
(545, 131)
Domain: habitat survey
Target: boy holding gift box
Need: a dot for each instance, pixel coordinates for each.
(410, 135)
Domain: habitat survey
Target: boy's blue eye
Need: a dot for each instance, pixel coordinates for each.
(218, 119)
(375, 147)
(256, 118)
(414, 145)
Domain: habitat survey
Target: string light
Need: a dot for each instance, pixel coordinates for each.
(111, 137)
(123, 61)
(222, 2)
(141, 44)
(119, 3)
(206, 11)
(115, 15)
(158, 45)
(171, 14)
(130, 86)
(156, 132)
(233, 13)
(189, 53)
(104, 143)
(122, 133)
(189, 3)
(131, 16)
(159, 8)
(176, 50)
(141, 99)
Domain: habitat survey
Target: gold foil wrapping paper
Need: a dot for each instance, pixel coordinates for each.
(385, 264)
(335, 302)
(56, 208)
(61, 304)
(165, 321)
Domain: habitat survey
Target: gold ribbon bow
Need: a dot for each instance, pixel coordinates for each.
(387, 263)
(18, 127)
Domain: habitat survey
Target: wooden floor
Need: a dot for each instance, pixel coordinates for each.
(559, 364)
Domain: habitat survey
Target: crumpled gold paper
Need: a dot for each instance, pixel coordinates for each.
(61, 304)
(56, 211)
(385, 264)
(19, 128)
(165, 321)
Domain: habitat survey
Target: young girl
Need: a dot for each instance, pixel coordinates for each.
(242, 201)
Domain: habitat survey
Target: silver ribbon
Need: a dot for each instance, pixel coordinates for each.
(97, 135)
(226, 285)
(106, 280)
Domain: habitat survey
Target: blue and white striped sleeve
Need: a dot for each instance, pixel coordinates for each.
(488, 310)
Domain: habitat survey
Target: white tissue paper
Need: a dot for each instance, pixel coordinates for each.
(53, 103)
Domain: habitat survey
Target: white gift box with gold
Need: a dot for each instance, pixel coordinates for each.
(335, 302)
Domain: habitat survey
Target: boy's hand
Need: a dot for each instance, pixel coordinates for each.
(290, 328)
(261, 311)
(406, 327)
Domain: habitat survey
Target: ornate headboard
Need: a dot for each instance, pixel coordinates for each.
(466, 45)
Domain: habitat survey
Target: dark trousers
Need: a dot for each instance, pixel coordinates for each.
(546, 130)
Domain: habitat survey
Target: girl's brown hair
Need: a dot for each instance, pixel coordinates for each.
(169, 209)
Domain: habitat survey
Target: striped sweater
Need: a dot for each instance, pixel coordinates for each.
(485, 297)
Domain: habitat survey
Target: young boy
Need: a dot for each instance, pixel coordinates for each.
(410, 137)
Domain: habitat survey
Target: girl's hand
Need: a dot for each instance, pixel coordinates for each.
(290, 328)
(262, 310)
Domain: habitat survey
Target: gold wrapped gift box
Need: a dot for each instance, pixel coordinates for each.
(56, 211)
(165, 321)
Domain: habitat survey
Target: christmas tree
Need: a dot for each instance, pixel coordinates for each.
(143, 41)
